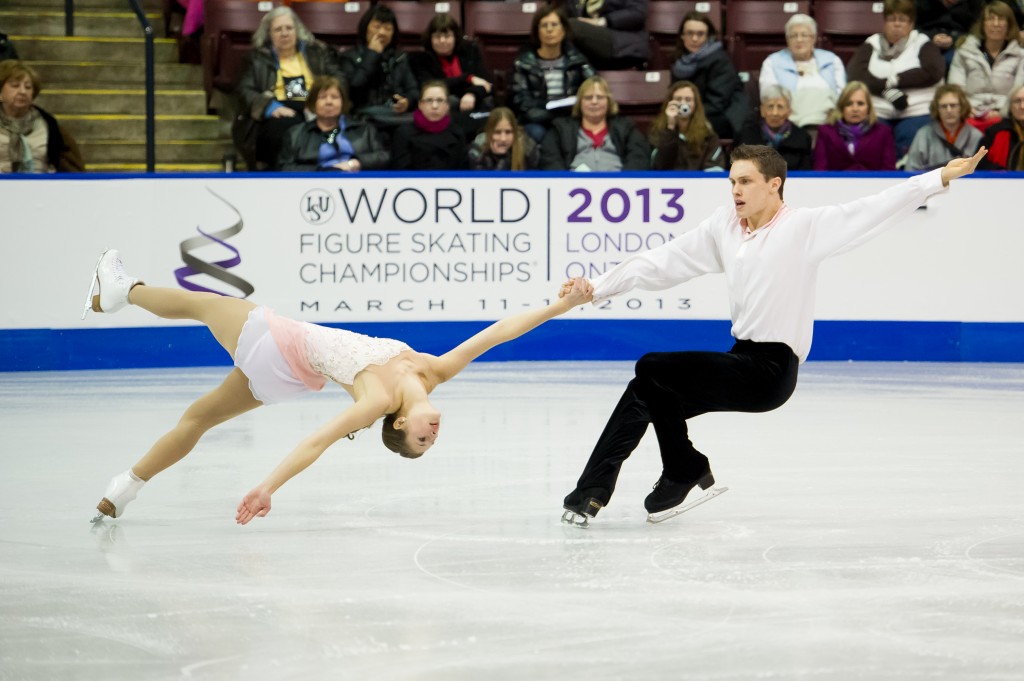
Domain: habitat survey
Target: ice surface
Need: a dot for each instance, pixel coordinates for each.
(874, 529)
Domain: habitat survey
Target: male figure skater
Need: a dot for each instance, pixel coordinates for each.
(770, 255)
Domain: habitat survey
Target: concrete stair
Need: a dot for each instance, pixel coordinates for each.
(94, 83)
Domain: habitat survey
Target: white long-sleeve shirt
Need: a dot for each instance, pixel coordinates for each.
(771, 273)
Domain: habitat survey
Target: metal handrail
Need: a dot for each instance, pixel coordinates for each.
(69, 18)
(147, 30)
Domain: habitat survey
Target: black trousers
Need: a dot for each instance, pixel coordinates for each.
(671, 387)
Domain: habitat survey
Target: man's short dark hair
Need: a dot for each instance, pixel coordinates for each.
(767, 160)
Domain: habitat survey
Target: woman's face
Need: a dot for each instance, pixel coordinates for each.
(434, 104)
(17, 95)
(1017, 106)
(443, 43)
(329, 103)
(775, 112)
(695, 34)
(684, 96)
(996, 27)
(385, 31)
(800, 42)
(856, 109)
(282, 34)
(594, 104)
(550, 31)
(950, 113)
(502, 137)
(897, 27)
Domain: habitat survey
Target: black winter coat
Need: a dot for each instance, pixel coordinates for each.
(374, 77)
(416, 149)
(427, 67)
(559, 146)
(530, 91)
(301, 148)
(255, 88)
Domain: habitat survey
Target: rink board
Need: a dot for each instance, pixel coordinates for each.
(431, 258)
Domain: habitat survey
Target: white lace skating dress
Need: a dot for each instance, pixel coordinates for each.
(283, 358)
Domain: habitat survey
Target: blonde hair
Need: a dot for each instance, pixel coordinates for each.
(844, 99)
(585, 88)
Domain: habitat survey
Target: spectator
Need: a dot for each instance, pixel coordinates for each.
(1005, 140)
(431, 141)
(547, 73)
(272, 90)
(854, 140)
(681, 136)
(448, 56)
(332, 140)
(612, 34)
(948, 136)
(31, 140)
(901, 68)
(7, 50)
(503, 145)
(596, 138)
(701, 59)
(944, 21)
(380, 80)
(989, 62)
(814, 77)
(779, 132)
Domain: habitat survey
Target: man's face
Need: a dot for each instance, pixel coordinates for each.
(751, 193)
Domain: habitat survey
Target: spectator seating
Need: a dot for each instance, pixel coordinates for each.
(227, 39)
(639, 94)
(335, 23)
(413, 16)
(756, 28)
(663, 19)
(501, 28)
(844, 25)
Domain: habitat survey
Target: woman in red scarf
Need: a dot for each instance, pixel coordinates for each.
(431, 141)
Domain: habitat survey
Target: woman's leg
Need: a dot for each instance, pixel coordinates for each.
(223, 315)
(225, 402)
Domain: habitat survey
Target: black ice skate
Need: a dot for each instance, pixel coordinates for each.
(582, 505)
(666, 501)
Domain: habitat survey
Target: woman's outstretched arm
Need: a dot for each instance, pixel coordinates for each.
(363, 413)
(449, 364)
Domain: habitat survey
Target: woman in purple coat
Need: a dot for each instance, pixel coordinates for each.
(853, 139)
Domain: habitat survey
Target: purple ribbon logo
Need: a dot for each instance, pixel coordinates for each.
(216, 269)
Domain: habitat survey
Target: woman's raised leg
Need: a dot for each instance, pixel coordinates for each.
(223, 315)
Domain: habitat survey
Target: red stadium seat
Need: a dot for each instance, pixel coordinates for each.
(756, 28)
(335, 23)
(227, 38)
(639, 94)
(844, 25)
(502, 28)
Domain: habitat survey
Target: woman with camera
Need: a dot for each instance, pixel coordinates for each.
(681, 136)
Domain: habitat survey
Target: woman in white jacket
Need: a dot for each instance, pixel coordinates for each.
(989, 62)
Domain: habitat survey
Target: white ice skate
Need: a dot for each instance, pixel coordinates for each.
(683, 508)
(122, 489)
(110, 284)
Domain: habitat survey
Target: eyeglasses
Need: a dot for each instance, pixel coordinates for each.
(694, 34)
(547, 25)
(434, 101)
(955, 105)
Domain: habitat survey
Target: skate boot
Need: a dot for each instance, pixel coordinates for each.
(122, 489)
(582, 505)
(666, 501)
(108, 291)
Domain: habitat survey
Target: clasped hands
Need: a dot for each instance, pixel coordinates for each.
(577, 291)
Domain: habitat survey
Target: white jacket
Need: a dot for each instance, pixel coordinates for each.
(918, 99)
(987, 86)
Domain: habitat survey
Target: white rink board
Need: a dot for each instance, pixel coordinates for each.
(449, 248)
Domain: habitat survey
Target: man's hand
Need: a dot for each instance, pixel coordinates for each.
(255, 504)
(959, 167)
(577, 291)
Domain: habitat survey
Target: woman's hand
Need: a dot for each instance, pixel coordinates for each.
(282, 112)
(401, 104)
(468, 102)
(350, 166)
(480, 82)
(671, 113)
(959, 167)
(576, 291)
(255, 504)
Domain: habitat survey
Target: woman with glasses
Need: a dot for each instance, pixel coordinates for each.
(988, 63)
(332, 140)
(813, 77)
(432, 141)
(702, 60)
(948, 136)
(901, 67)
(596, 138)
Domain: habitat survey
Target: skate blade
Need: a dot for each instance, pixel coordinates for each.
(576, 519)
(99, 517)
(92, 302)
(683, 508)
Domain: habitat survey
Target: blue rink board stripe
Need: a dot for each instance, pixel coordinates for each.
(73, 349)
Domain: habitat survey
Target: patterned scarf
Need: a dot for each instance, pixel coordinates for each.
(852, 133)
(18, 130)
(775, 137)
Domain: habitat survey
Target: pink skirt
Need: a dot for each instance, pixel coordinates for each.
(271, 380)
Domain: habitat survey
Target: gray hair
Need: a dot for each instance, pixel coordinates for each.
(261, 36)
(776, 91)
(801, 20)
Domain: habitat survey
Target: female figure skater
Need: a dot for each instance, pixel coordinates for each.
(278, 358)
